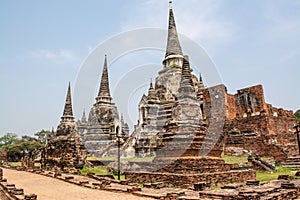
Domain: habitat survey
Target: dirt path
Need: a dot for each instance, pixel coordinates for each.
(47, 188)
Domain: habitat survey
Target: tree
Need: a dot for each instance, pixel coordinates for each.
(42, 135)
(297, 115)
(26, 138)
(14, 152)
(20, 149)
(16, 148)
(8, 139)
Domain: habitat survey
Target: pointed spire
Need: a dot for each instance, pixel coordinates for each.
(151, 86)
(67, 123)
(104, 93)
(68, 113)
(104, 86)
(52, 132)
(186, 84)
(201, 87)
(200, 83)
(186, 78)
(125, 127)
(173, 45)
(151, 91)
(122, 119)
(83, 119)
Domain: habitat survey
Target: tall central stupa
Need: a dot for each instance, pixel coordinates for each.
(155, 109)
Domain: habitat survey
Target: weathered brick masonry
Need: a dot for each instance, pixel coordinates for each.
(252, 125)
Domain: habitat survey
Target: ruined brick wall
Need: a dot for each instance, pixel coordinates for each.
(280, 121)
(191, 165)
(243, 145)
(262, 134)
(250, 101)
(231, 107)
(215, 102)
(252, 125)
(247, 102)
(188, 180)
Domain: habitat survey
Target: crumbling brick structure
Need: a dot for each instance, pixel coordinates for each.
(254, 126)
(64, 150)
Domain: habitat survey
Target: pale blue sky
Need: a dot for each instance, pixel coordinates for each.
(44, 43)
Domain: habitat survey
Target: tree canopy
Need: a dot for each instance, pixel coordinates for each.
(17, 147)
(8, 139)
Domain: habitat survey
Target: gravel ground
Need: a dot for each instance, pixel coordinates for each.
(47, 188)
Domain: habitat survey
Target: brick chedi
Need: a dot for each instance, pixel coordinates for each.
(64, 150)
(99, 131)
(181, 158)
(155, 109)
(185, 133)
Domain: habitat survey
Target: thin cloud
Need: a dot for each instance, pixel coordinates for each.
(284, 30)
(285, 24)
(61, 55)
(192, 19)
(289, 56)
(205, 24)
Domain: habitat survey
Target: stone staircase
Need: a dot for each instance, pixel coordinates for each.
(292, 162)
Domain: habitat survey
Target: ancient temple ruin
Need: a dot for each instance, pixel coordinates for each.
(64, 150)
(187, 153)
(253, 126)
(186, 150)
(244, 122)
(99, 131)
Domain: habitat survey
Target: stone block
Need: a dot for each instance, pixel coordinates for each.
(56, 174)
(3, 180)
(90, 173)
(134, 189)
(288, 185)
(124, 182)
(30, 197)
(69, 177)
(231, 186)
(147, 185)
(252, 182)
(283, 177)
(18, 192)
(10, 187)
(84, 182)
(109, 176)
(157, 185)
(199, 186)
(96, 183)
